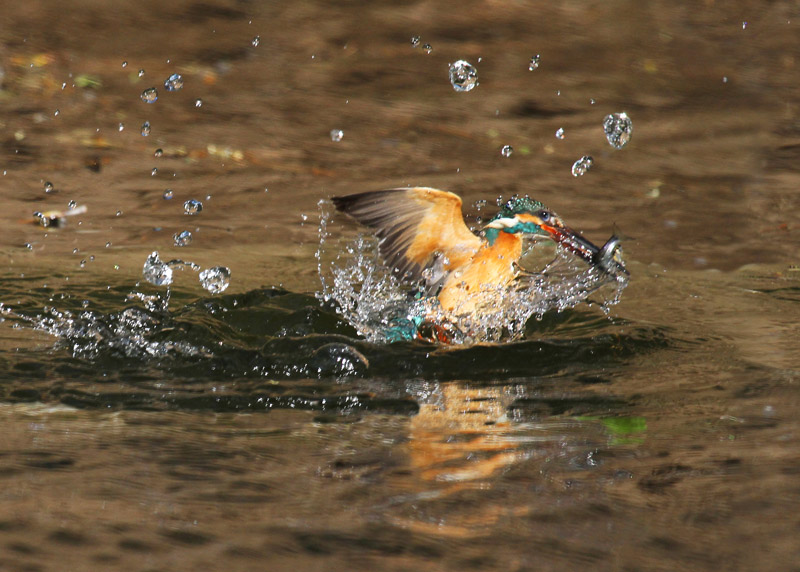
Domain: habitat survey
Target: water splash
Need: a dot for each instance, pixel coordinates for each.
(192, 207)
(582, 165)
(618, 128)
(150, 95)
(383, 309)
(174, 82)
(216, 279)
(463, 76)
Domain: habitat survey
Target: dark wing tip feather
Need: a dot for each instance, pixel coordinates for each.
(379, 210)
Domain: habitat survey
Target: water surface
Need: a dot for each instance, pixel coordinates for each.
(156, 429)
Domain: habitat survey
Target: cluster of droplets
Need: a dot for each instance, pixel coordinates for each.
(416, 42)
(159, 273)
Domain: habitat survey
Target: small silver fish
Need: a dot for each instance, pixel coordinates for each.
(607, 259)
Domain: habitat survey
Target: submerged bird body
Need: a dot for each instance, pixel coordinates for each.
(423, 237)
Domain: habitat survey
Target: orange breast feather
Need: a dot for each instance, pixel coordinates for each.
(484, 279)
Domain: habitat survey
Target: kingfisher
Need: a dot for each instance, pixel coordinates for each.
(422, 236)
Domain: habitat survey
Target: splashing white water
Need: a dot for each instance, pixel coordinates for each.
(372, 299)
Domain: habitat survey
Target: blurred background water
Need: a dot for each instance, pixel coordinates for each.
(235, 422)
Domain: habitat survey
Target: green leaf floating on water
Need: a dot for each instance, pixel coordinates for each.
(622, 428)
(625, 425)
(88, 81)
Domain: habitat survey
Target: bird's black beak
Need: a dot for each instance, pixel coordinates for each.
(605, 258)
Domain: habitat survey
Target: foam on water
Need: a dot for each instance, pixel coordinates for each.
(375, 302)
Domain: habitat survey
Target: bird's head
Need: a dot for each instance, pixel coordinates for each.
(527, 216)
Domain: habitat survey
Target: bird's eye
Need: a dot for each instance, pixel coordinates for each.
(544, 215)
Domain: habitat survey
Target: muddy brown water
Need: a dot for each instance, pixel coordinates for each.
(254, 430)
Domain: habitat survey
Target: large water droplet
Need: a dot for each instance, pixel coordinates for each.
(582, 165)
(192, 207)
(463, 76)
(155, 271)
(618, 128)
(174, 82)
(145, 129)
(183, 238)
(506, 150)
(150, 95)
(216, 279)
(534, 63)
(336, 135)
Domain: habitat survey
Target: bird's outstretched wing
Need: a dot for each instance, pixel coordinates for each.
(417, 228)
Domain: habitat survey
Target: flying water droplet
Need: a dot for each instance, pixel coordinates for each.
(72, 204)
(183, 238)
(336, 135)
(156, 272)
(463, 76)
(192, 207)
(141, 73)
(582, 165)
(744, 25)
(168, 194)
(506, 151)
(174, 82)
(154, 172)
(150, 95)
(158, 153)
(216, 279)
(28, 246)
(415, 40)
(198, 103)
(145, 129)
(48, 187)
(428, 48)
(121, 126)
(256, 41)
(534, 63)
(560, 133)
(124, 64)
(618, 128)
